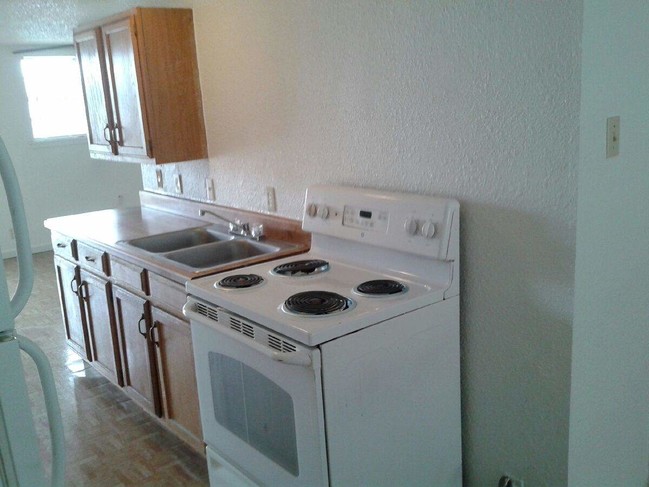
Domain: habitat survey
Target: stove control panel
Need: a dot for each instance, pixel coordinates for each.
(422, 225)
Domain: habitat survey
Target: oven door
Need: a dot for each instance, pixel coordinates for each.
(260, 399)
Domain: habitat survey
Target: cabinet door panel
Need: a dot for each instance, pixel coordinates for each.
(177, 375)
(95, 89)
(136, 349)
(124, 83)
(97, 297)
(67, 276)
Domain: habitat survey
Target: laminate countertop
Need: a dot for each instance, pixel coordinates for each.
(108, 230)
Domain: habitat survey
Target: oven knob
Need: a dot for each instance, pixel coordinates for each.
(428, 229)
(411, 226)
(323, 212)
(312, 210)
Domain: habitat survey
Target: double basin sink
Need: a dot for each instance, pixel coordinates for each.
(204, 248)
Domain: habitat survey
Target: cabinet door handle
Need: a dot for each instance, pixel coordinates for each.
(61, 245)
(152, 336)
(139, 326)
(90, 259)
(118, 134)
(86, 296)
(110, 139)
(73, 281)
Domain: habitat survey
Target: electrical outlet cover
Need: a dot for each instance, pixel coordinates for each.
(271, 202)
(178, 180)
(209, 189)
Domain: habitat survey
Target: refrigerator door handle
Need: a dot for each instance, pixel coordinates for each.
(19, 222)
(53, 409)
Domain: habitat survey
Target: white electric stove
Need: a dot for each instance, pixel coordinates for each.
(339, 366)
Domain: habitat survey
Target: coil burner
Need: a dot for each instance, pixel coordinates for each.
(317, 303)
(240, 281)
(302, 268)
(381, 287)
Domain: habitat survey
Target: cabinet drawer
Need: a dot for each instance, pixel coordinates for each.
(92, 258)
(64, 246)
(129, 276)
(167, 294)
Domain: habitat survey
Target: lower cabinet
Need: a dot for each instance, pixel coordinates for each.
(96, 295)
(76, 331)
(177, 377)
(127, 323)
(136, 349)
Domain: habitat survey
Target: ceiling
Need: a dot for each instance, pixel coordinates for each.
(46, 22)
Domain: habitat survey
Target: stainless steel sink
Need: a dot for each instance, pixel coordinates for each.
(168, 242)
(201, 248)
(220, 253)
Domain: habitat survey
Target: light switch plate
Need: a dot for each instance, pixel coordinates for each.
(612, 136)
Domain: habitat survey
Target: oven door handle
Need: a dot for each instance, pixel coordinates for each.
(298, 357)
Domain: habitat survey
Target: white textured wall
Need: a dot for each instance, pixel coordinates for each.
(470, 99)
(55, 179)
(609, 426)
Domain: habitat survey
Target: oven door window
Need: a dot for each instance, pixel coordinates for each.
(255, 409)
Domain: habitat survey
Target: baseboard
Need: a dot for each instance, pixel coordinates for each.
(37, 249)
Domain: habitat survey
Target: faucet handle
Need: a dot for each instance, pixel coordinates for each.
(257, 230)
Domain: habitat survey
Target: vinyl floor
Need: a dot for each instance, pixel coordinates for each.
(110, 440)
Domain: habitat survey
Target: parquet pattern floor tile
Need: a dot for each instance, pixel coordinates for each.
(110, 441)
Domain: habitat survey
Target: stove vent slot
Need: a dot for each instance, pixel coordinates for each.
(207, 311)
(241, 327)
(280, 345)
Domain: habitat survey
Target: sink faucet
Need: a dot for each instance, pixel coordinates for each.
(237, 227)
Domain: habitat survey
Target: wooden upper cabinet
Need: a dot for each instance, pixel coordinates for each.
(141, 87)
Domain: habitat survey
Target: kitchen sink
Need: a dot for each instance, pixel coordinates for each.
(168, 242)
(201, 248)
(220, 253)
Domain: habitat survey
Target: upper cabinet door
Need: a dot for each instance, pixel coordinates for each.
(125, 83)
(90, 54)
(142, 87)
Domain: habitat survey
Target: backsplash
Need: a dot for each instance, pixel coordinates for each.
(193, 179)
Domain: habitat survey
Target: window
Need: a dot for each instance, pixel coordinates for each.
(54, 94)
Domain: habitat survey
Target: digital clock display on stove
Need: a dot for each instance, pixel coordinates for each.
(365, 219)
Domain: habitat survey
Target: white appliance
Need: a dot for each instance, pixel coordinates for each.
(20, 460)
(340, 366)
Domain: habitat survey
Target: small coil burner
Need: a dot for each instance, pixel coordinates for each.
(381, 287)
(240, 281)
(316, 303)
(302, 267)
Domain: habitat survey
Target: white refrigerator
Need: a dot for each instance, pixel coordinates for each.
(20, 460)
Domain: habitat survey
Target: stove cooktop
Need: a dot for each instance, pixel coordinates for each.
(289, 304)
